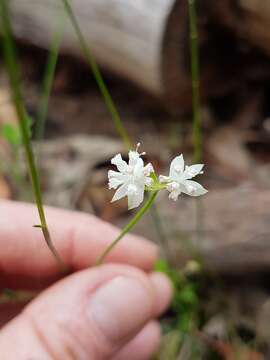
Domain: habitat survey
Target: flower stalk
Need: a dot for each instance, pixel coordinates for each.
(98, 77)
(13, 73)
(129, 226)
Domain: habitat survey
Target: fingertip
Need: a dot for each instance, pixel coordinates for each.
(143, 345)
(164, 291)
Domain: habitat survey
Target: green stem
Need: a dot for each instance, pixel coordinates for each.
(197, 131)
(47, 85)
(195, 74)
(13, 72)
(99, 78)
(129, 226)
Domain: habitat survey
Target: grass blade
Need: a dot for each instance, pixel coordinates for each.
(47, 85)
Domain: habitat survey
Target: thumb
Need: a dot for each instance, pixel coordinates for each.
(94, 314)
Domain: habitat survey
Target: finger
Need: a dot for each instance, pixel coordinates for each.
(79, 239)
(143, 346)
(12, 309)
(89, 315)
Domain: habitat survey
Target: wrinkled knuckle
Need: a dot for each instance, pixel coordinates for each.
(63, 343)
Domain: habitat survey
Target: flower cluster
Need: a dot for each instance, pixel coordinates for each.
(133, 178)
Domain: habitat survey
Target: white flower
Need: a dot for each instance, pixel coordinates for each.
(179, 177)
(131, 178)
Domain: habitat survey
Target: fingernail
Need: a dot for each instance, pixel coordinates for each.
(121, 307)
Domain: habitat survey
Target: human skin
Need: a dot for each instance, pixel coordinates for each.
(97, 313)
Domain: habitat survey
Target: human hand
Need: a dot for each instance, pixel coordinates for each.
(105, 312)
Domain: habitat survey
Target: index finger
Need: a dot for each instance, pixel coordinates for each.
(79, 239)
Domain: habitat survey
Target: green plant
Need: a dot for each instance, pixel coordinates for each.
(47, 84)
(11, 133)
(185, 305)
(134, 178)
(14, 79)
(11, 166)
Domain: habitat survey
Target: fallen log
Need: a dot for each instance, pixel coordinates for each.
(144, 41)
(249, 19)
(235, 230)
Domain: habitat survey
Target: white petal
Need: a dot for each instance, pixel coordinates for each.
(174, 195)
(177, 167)
(114, 183)
(119, 163)
(138, 168)
(175, 190)
(134, 156)
(173, 186)
(148, 169)
(116, 175)
(116, 179)
(163, 179)
(192, 171)
(132, 189)
(148, 181)
(120, 193)
(193, 188)
(135, 199)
